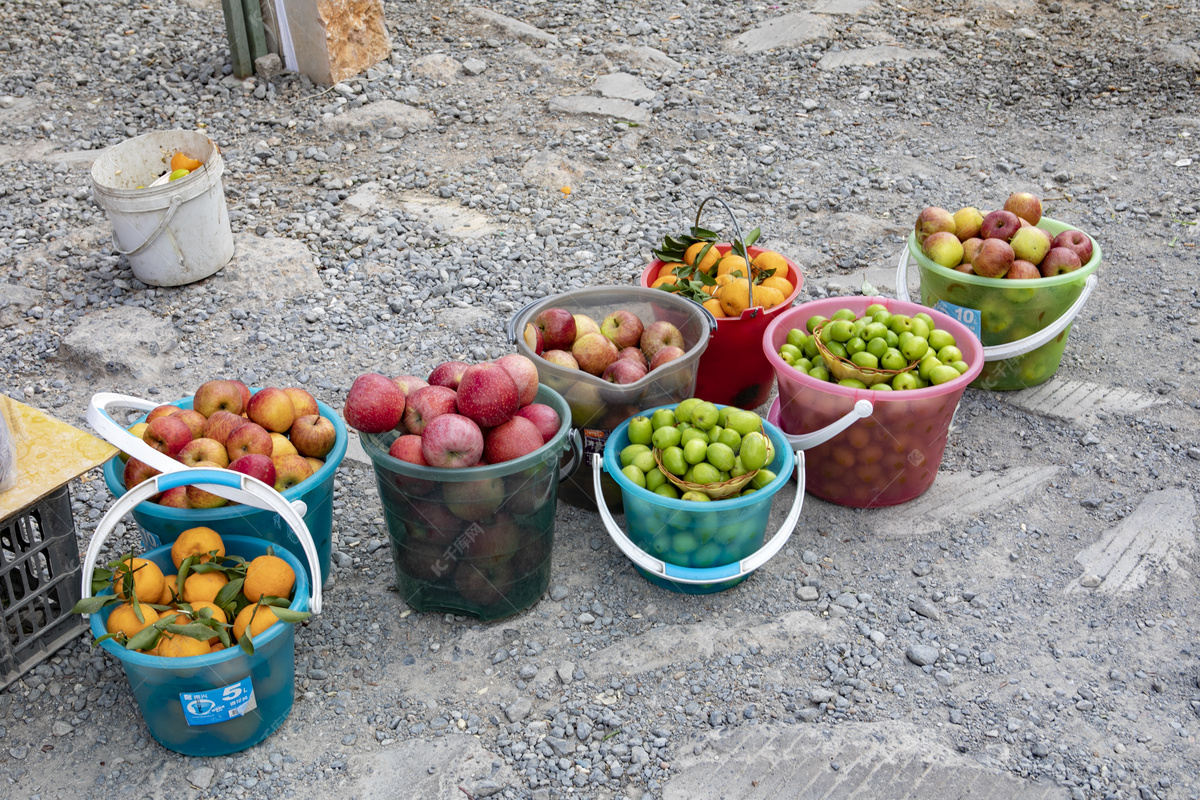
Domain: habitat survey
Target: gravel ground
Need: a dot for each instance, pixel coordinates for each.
(960, 619)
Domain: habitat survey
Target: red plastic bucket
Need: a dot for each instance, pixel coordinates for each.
(733, 371)
(889, 457)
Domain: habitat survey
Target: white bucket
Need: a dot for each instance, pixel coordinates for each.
(174, 233)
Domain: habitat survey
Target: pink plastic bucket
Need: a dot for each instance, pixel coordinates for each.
(889, 457)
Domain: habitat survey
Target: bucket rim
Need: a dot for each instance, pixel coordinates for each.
(794, 275)
(212, 169)
(372, 443)
(782, 476)
(196, 516)
(962, 334)
(299, 603)
(1054, 226)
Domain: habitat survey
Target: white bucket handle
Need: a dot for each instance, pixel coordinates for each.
(698, 575)
(806, 441)
(1000, 352)
(261, 496)
(176, 202)
(113, 433)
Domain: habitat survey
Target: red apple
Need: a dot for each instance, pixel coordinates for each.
(249, 438)
(203, 449)
(488, 394)
(272, 409)
(167, 435)
(665, 355)
(313, 436)
(625, 371)
(659, 335)
(282, 446)
(1077, 241)
(175, 497)
(424, 562)
(623, 328)
(971, 249)
(594, 352)
(558, 328)
(291, 470)
(1025, 205)
(408, 448)
(374, 404)
(534, 339)
(1000, 225)
(256, 465)
(162, 411)
(475, 500)
(931, 220)
(1056, 262)
(513, 439)
(409, 384)
(193, 419)
(965, 268)
(202, 498)
(136, 472)
(636, 354)
(1023, 270)
(994, 259)
(524, 374)
(214, 396)
(544, 417)
(452, 440)
(561, 358)
(221, 424)
(495, 540)
(448, 374)
(1031, 244)
(427, 404)
(244, 391)
(431, 523)
(483, 584)
(303, 403)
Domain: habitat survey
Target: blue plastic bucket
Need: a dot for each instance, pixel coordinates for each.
(166, 689)
(163, 524)
(697, 547)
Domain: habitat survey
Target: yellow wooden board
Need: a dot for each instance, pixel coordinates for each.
(49, 453)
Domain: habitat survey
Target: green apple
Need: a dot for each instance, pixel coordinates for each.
(893, 359)
(744, 422)
(939, 338)
(645, 461)
(720, 456)
(663, 418)
(673, 461)
(762, 478)
(655, 479)
(699, 497)
(692, 434)
(815, 322)
(705, 473)
(667, 437)
(705, 416)
(683, 411)
(943, 373)
(640, 430)
(630, 452)
(635, 475)
(694, 451)
(754, 451)
(667, 490)
(914, 349)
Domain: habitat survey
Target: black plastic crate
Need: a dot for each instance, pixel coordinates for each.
(39, 584)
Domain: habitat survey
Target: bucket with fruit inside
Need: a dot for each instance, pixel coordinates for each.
(904, 368)
(609, 351)
(1016, 278)
(744, 287)
(698, 482)
(162, 192)
(204, 627)
(290, 440)
(468, 471)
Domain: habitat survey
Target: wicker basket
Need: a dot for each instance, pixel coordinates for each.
(715, 491)
(845, 369)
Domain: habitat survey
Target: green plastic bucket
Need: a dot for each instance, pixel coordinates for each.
(1023, 324)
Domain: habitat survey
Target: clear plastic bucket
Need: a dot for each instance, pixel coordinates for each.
(474, 541)
(697, 547)
(1023, 324)
(731, 371)
(597, 406)
(166, 689)
(163, 524)
(888, 457)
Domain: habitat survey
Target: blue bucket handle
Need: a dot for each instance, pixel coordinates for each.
(697, 575)
(1000, 352)
(260, 496)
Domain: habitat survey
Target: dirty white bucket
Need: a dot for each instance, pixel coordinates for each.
(174, 233)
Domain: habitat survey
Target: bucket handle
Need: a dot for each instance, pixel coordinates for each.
(695, 575)
(512, 321)
(259, 495)
(806, 441)
(176, 202)
(99, 418)
(1020, 347)
(575, 443)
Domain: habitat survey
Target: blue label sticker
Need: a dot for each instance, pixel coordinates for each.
(967, 316)
(220, 704)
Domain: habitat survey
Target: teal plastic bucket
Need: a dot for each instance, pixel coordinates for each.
(697, 547)
(226, 701)
(163, 524)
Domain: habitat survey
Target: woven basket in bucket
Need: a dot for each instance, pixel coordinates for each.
(715, 491)
(845, 369)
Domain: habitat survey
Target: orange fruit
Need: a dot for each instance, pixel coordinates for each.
(734, 298)
(782, 285)
(769, 260)
(168, 593)
(196, 541)
(214, 646)
(184, 161)
(217, 613)
(203, 586)
(722, 280)
(767, 296)
(263, 618)
(710, 258)
(268, 576)
(714, 307)
(124, 619)
(666, 269)
(731, 264)
(148, 579)
(665, 279)
(176, 645)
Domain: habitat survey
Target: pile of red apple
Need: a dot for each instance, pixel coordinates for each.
(1001, 244)
(275, 435)
(620, 349)
(464, 415)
